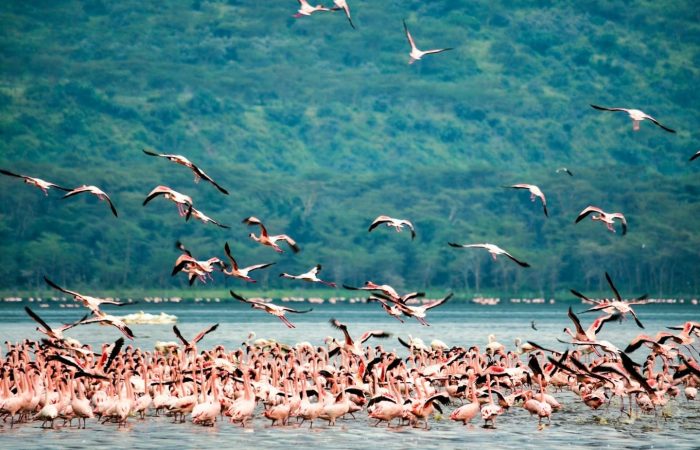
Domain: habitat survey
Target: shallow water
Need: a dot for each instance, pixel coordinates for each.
(575, 426)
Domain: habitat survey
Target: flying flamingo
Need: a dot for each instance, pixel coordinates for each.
(417, 54)
(636, 115)
(565, 170)
(57, 333)
(617, 306)
(199, 215)
(306, 10)
(183, 202)
(493, 249)
(38, 182)
(535, 192)
(241, 272)
(310, 276)
(198, 173)
(391, 222)
(268, 240)
(607, 218)
(191, 346)
(92, 303)
(94, 190)
(355, 347)
(271, 308)
(343, 4)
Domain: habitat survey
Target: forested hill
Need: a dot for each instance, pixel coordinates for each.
(317, 128)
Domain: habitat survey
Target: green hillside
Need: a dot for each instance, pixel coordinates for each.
(317, 128)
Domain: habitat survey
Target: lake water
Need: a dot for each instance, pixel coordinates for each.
(456, 323)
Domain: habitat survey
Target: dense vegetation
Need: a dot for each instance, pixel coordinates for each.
(317, 128)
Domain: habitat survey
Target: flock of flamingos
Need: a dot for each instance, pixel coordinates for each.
(57, 378)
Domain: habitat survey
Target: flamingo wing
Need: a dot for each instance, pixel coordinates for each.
(588, 210)
(204, 333)
(408, 36)
(603, 108)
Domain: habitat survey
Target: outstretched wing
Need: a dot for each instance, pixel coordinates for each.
(38, 319)
(57, 287)
(179, 335)
(408, 36)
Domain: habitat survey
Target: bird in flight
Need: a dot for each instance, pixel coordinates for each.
(310, 276)
(417, 54)
(305, 9)
(342, 4)
(636, 115)
(391, 222)
(94, 190)
(270, 308)
(198, 173)
(565, 170)
(607, 218)
(266, 239)
(38, 182)
(535, 192)
(493, 249)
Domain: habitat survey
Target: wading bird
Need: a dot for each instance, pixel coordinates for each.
(535, 192)
(355, 347)
(417, 54)
(493, 249)
(391, 222)
(94, 190)
(241, 272)
(183, 202)
(266, 239)
(607, 218)
(343, 4)
(618, 307)
(271, 308)
(306, 10)
(38, 182)
(92, 303)
(310, 276)
(636, 115)
(198, 173)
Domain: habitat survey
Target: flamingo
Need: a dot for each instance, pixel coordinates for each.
(535, 192)
(191, 346)
(57, 333)
(343, 4)
(355, 347)
(183, 202)
(636, 115)
(419, 312)
(391, 222)
(311, 276)
(199, 215)
(38, 182)
(618, 306)
(306, 10)
(607, 218)
(271, 308)
(92, 303)
(241, 272)
(417, 54)
(467, 412)
(268, 240)
(493, 249)
(198, 173)
(94, 190)
(565, 170)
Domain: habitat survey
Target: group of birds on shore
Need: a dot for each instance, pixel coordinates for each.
(59, 378)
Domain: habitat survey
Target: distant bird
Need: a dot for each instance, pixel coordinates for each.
(418, 312)
(535, 192)
(270, 308)
(239, 272)
(607, 218)
(417, 54)
(198, 173)
(306, 10)
(199, 215)
(391, 222)
(92, 303)
(493, 249)
(183, 202)
(695, 156)
(564, 169)
(266, 239)
(342, 4)
(38, 182)
(194, 268)
(94, 190)
(108, 319)
(310, 276)
(532, 325)
(636, 115)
